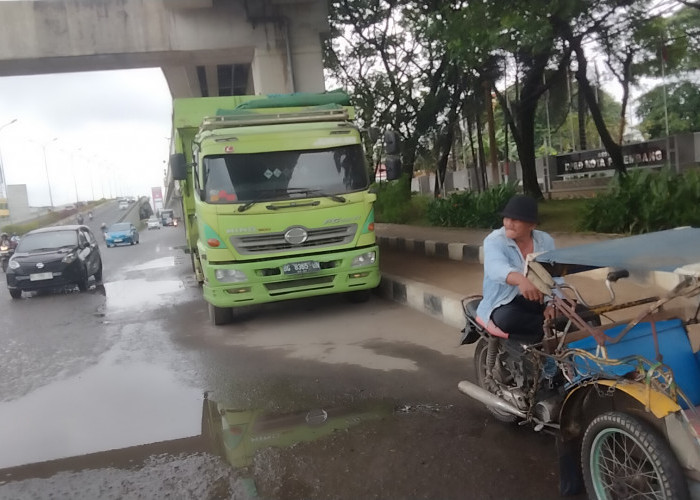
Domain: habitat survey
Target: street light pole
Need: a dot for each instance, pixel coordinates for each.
(46, 169)
(75, 182)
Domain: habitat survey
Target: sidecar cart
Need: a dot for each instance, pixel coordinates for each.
(631, 387)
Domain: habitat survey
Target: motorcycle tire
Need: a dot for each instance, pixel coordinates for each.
(624, 457)
(480, 354)
(4, 265)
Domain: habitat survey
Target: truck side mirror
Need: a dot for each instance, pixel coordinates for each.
(393, 168)
(178, 166)
(391, 142)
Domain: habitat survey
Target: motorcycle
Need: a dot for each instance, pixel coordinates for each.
(7, 249)
(622, 394)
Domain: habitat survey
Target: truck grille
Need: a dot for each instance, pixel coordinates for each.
(275, 242)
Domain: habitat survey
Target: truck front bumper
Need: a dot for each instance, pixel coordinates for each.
(267, 281)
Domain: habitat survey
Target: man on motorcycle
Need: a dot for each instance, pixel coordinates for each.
(511, 300)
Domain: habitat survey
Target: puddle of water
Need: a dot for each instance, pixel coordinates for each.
(139, 293)
(108, 406)
(154, 264)
(239, 434)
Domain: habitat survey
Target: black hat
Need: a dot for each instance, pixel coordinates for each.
(521, 207)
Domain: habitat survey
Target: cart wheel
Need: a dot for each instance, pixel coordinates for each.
(623, 457)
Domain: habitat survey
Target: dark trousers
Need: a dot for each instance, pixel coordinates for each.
(521, 318)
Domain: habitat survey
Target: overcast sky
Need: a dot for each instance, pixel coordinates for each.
(112, 132)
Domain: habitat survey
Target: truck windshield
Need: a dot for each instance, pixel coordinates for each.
(284, 174)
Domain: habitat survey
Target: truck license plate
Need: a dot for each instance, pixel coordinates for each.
(308, 266)
(40, 276)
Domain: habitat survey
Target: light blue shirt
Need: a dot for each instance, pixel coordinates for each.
(502, 257)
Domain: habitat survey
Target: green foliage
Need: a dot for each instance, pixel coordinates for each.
(45, 220)
(471, 209)
(394, 202)
(645, 201)
(682, 103)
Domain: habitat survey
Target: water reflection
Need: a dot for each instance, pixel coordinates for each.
(235, 435)
(142, 294)
(238, 434)
(109, 405)
(154, 264)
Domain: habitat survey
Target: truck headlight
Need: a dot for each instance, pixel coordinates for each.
(366, 259)
(230, 275)
(13, 264)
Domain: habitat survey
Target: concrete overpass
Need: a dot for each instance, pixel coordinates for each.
(204, 47)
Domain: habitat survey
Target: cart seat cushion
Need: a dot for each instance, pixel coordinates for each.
(674, 346)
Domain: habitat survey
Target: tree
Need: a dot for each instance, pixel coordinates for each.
(682, 103)
(398, 77)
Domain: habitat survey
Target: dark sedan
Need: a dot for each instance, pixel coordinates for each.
(54, 257)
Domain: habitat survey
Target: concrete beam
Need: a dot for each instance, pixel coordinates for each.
(84, 35)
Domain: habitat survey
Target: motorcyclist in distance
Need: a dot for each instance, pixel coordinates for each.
(511, 300)
(80, 218)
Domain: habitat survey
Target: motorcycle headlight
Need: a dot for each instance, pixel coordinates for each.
(230, 276)
(366, 259)
(69, 258)
(13, 264)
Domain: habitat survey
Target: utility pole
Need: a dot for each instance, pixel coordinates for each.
(46, 168)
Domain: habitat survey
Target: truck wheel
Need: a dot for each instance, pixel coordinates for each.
(622, 457)
(220, 315)
(15, 294)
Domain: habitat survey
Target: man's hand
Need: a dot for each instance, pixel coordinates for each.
(549, 312)
(527, 289)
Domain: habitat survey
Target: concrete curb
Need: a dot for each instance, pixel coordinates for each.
(428, 299)
(463, 252)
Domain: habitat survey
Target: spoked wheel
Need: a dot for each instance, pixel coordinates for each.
(480, 354)
(622, 457)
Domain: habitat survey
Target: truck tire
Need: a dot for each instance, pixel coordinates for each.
(220, 315)
(624, 456)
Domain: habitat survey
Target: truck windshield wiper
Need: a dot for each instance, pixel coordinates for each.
(245, 207)
(334, 197)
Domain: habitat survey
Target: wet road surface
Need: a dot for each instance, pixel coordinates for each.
(102, 395)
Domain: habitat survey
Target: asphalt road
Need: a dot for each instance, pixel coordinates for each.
(102, 395)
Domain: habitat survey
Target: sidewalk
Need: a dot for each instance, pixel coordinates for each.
(430, 269)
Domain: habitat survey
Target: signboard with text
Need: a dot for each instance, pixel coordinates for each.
(643, 154)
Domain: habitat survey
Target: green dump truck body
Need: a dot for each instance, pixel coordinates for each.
(275, 198)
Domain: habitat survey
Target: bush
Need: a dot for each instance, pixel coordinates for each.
(470, 209)
(645, 201)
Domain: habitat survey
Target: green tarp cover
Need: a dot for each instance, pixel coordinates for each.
(326, 100)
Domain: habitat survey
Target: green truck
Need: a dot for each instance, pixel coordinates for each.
(276, 199)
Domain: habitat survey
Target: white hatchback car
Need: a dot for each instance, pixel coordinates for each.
(153, 223)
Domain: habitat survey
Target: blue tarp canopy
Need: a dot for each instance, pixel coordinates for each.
(659, 251)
